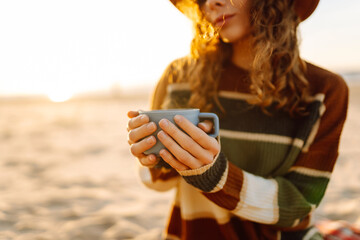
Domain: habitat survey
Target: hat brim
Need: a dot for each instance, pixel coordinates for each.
(303, 8)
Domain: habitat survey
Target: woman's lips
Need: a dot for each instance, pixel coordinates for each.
(221, 21)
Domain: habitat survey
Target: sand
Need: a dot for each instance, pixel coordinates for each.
(66, 173)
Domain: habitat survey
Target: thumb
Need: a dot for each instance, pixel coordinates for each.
(206, 126)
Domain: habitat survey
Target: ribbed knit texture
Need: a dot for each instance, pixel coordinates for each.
(208, 180)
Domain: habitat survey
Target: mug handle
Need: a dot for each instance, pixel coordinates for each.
(215, 120)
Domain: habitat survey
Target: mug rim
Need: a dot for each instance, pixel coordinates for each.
(170, 110)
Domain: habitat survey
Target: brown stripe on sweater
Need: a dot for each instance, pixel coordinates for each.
(194, 229)
(318, 159)
(254, 231)
(323, 151)
(229, 196)
(163, 174)
(301, 225)
(175, 223)
(235, 229)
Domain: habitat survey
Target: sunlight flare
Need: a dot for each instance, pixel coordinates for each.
(59, 96)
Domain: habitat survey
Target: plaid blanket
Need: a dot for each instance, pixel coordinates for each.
(338, 230)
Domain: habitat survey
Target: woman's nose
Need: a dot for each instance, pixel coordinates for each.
(215, 3)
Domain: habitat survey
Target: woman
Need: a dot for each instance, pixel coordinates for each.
(280, 119)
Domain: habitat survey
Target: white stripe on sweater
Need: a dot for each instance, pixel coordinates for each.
(310, 172)
(223, 179)
(194, 205)
(258, 200)
(315, 128)
(159, 185)
(236, 95)
(262, 137)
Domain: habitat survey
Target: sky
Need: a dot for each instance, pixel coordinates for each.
(64, 47)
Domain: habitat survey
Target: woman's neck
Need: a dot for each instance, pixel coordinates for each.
(243, 55)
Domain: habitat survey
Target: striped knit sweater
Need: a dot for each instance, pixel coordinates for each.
(272, 170)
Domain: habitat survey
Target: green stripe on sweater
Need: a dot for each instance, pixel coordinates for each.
(241, 116)
(208, 180)
(292, 204)
(259, 158)
(312, 188)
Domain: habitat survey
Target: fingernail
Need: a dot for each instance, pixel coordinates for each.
(150, 140)
(152, 158)
(161, 134)
(178, 118)
(151, 126)
(162, 152)
(165, 122)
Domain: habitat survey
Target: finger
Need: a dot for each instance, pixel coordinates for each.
(206, 126)
(137, 121)
(148, 160)
(132, 114)
(179, 153)
(172, 161)
(185, 141)
(197, 134)
(138, 149)
(141, 132)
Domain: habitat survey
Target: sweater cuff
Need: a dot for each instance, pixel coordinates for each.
(209, 177)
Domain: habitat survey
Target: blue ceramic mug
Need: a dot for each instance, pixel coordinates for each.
(193, 115)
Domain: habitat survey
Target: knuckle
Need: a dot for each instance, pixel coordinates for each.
(202, 137)
(209, 158)
(128, 126)
(144, 118)
(169, 144)
(131, 136)
(144, 161)
(172, 130)
(133, 150)
(215, 149)
(137, 121)
(216, 143)
(198, 137)
(186, 145)
(184, 158)
(131, 123)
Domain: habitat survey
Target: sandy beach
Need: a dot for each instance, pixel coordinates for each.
(66, 173)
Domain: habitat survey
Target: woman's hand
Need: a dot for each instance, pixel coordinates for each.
(187, 151)
(139, 128)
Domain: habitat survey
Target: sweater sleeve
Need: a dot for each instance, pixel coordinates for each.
(286, 200)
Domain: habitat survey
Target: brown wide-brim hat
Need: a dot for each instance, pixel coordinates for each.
(303, 8)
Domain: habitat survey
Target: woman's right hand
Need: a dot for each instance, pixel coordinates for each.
(139, 130)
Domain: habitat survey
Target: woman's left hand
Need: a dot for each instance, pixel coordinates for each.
(184, 151)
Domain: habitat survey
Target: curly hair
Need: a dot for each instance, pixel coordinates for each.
(277, 74)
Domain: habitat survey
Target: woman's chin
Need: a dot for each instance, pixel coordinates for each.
(232, 37)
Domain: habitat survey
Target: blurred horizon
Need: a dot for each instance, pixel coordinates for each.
(115, 92)
(74, 47)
